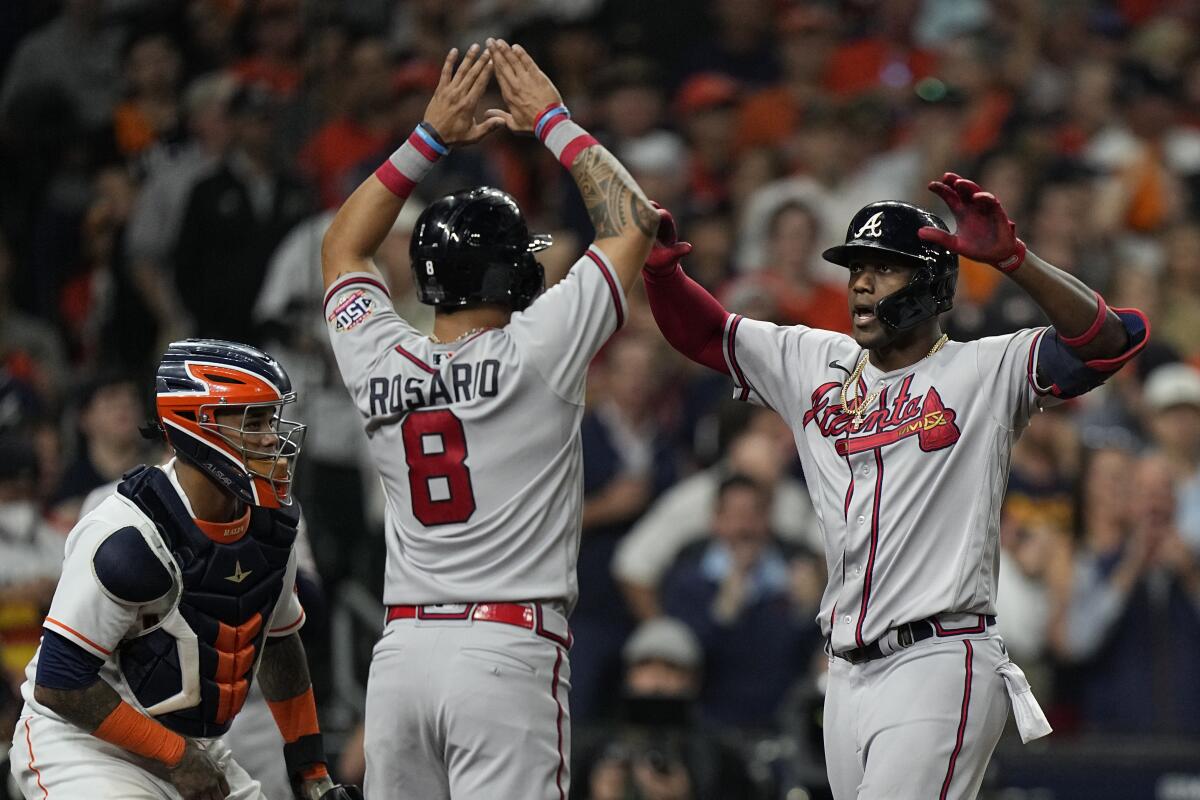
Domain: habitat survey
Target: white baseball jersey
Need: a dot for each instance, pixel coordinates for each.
(910, 501)
(86, 614)
(477, 441)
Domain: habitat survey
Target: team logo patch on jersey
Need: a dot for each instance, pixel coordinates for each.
(925, 417)
(351, 310)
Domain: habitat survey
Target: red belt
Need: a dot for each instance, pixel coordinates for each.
(522, 615)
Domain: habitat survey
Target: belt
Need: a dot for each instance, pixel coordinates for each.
(529, 616)
(911, 633)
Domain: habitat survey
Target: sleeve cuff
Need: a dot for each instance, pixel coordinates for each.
(597, 256)
(75, 637)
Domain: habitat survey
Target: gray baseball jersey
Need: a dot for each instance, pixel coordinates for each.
(477, 441)
(909, 502)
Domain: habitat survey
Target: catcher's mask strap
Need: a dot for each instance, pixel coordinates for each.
(151, 429)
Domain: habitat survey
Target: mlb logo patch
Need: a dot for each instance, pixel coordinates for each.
(351, 310)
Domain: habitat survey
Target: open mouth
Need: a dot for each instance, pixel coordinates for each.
(863, 314)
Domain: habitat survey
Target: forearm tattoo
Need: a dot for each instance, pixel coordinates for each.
(614, 201)
(84, 708)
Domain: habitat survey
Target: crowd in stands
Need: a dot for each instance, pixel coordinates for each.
(168, 169)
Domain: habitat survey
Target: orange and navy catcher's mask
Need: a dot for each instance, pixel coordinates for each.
(220, 406)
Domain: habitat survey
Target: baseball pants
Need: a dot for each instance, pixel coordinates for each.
(52, 760)
(467, 709)
(922, 722)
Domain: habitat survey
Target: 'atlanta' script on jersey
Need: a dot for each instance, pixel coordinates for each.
(924, 416)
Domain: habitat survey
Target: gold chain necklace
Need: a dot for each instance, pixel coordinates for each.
(856, 416)
(459, 338)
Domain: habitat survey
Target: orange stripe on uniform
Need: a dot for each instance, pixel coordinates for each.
(37, 772)
(231, 640)
(78, 635)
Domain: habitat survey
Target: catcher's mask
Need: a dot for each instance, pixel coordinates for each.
(220, 406)
(887, 232)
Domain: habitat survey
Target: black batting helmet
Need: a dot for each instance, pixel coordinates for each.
(887, 232)
(473, 247)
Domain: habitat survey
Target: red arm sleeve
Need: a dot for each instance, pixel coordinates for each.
(690, 318)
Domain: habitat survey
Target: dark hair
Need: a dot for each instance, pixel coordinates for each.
(738, 480)
(794, 205)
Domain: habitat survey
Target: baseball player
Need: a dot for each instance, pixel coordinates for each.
(905, 438)
(475, 431)
(177, 590)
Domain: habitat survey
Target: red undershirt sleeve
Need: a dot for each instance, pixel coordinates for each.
(690, 318)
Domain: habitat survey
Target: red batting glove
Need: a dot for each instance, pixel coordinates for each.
(983, 230)
(667, 250)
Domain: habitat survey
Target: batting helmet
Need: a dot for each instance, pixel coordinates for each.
(252, 456)
(887, 232)
(473, 247)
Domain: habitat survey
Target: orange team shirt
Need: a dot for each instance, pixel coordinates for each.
(766, 119)
(856, 67)
(336, 148)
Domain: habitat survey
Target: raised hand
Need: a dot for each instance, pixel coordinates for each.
(451, 111)
(525, 88)
(983, 232)
(667, 249)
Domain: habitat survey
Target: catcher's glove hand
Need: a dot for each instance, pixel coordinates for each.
(343, 792)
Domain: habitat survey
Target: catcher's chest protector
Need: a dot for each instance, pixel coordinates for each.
(229, 591)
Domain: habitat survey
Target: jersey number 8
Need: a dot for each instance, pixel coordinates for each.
(435, 447)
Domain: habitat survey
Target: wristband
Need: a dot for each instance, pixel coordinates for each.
(564, 138)
(132, 730)
(297, 716)
(1010, 264)
(1093, 330)
(410, 163)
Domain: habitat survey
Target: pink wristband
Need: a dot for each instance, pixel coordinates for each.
(1011, 263)
(1093, 330)
(564, 138)
(408, 165)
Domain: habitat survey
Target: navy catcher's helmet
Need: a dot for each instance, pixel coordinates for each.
(473, 247)
(887, 232)
(253, 455)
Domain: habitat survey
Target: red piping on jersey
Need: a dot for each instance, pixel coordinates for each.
(866, 595)
(79, 635)
(37, 772)
(1029, 369)
(287, 628)
(420, 364)
(737, 368)
(558, 723)
(962, 725)
(612, 287)
(978, 627)
(337, 287)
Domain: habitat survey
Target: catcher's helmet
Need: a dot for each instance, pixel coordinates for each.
(887, 232)
(254, 459)
(473, 247)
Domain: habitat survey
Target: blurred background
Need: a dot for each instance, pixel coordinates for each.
(168, 168)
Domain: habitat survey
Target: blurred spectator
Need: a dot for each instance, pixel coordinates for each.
(792, 234)
(1134, 620)
(1172, 395)
(658, 162)
(157, 215)
(627, 461)
(684, 513)
(1179, 322)
(150, 115)
(289, 312)
(31, 553)
(886, 58)
(235, 219)
(807, 40)
(736, 592)
(738, 44)
(276, 37)
(30, 348)
(110, 444)
(366, 126)
(632, 99)
(706, 106)
(659, 750)
(78, 54)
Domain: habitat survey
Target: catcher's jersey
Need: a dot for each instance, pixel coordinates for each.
(910, 501)
(477, 441)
